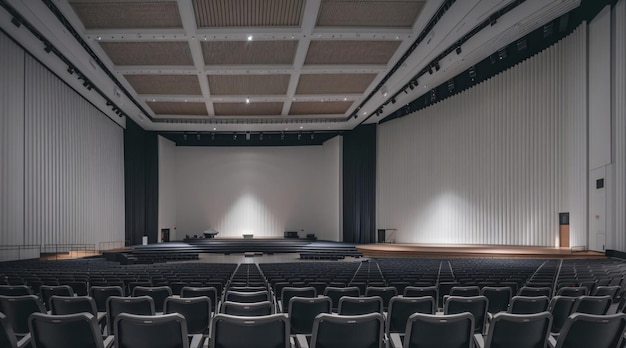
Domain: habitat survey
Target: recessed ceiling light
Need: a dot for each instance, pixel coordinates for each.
(247, 100)
(249, 37)
(345, 99)
(301, 127)
(99, 38)
(214, 128)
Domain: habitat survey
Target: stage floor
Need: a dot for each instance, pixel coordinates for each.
(460, 250)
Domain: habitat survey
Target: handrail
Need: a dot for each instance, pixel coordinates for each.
(118, 244)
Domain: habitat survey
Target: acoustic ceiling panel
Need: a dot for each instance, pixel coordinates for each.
(165, 84)
(249, 52)
(115, 14)
(148, 53)
(248, 85)
(248, 13)
(319, 108)
(387, 14)
(350, 52)
(178, 108)
(334, 83)
(251, 109)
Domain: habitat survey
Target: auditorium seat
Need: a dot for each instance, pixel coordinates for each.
(437, 331)
(339, 331)
(271, 331)
(303, 310)
(401, 308)
(517, 331)
(70, 330)
(528, 304)
(560, 307)
(8, 338)
(598, 305)
(197, 312)
(587, 330)
(335, 293)
(250, 309)
(158, 294)
(476, 305)
(142, 305)
(17, 310)
(146, 331)
(349, 305)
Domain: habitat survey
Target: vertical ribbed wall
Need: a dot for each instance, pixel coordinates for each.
(619, 112)
(74, 189)
(11, 143)
(490, 165)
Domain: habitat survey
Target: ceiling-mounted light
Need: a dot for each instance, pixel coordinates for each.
(261, 136)
(430, 69)
(184, 136)
(458, 49)
(502, 54)
(472, 73)
(247, 100)
(70, 70)
(384, 91)
(234, 136)
(437, 66)
(250, 37)
(393, 100)
(16, 22)
(48, 48)
(451, 85)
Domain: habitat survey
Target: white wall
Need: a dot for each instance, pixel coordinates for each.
(616, 228)
(599, 126)
(62, 163)
(260, 190)
(167, 187)
(496, 163)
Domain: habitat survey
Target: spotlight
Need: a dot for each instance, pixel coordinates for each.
(458, 49)
(234, 136)
(437, 66)
(493, 20)
(70, 70)
(261, 136)
(433, 95)
(393, 100)
(450, 86)
(185, 137)
(212, 136)
(48, 48)
(384, 91)
(430, 70)
(502, 53)
(109, 103)
(299, 136)
(522, 44)
(312, 136)
(548, 29)
(472, 73)
(411, 86)
(16, 22)
(247, 100)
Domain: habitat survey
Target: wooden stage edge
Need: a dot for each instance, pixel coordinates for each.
(496, 251)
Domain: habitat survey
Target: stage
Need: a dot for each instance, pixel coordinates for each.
(468, 250)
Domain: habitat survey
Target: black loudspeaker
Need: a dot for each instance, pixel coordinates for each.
(291, 234)
(382, 236)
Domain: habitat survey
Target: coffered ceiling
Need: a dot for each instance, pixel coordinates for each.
(272, 65)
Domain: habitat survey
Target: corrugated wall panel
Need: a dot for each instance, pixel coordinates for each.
(11, 143)
(490, 165)
(74, 166)
(619, 112)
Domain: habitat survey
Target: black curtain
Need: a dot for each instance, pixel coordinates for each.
(141, 181)
(359, 185)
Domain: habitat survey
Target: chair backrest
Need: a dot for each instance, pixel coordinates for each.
(385, 293)
(519, 330)
(116, 305)
(476, 305)
(17, 310)
(349, 305)
(528, 304)
(7, 335)
(146, 331)
(572, 291)
(335, 293)
(606, 290)
(465, 291)
(338, 331)
(289, 292)
(592, 304)
(401, 308)
(158, 294)
(436, 331)
(250, 309)
(419, 291)
(588, 330)
(48, 291)
(270, 331)
(303, 310)
(60, 331)
(15, 290)
(560, 307)
(535, 291)
(100, 294)
(499, 298)
(60, 305)
(196, 310)
(208, 291)
(247, 297)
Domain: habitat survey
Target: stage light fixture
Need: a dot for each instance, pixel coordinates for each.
(458, 49)
(261, 136)
(548, 29)
(234, 136)
(312, 136)
(48, 48)
(70, 70)
(185, 137)
(430, 70)
(16, 22)
(472, 73)
(502, 54)
(393, 100)
(299, 136)
(433, 95)
(451, 86)
(437, 66)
